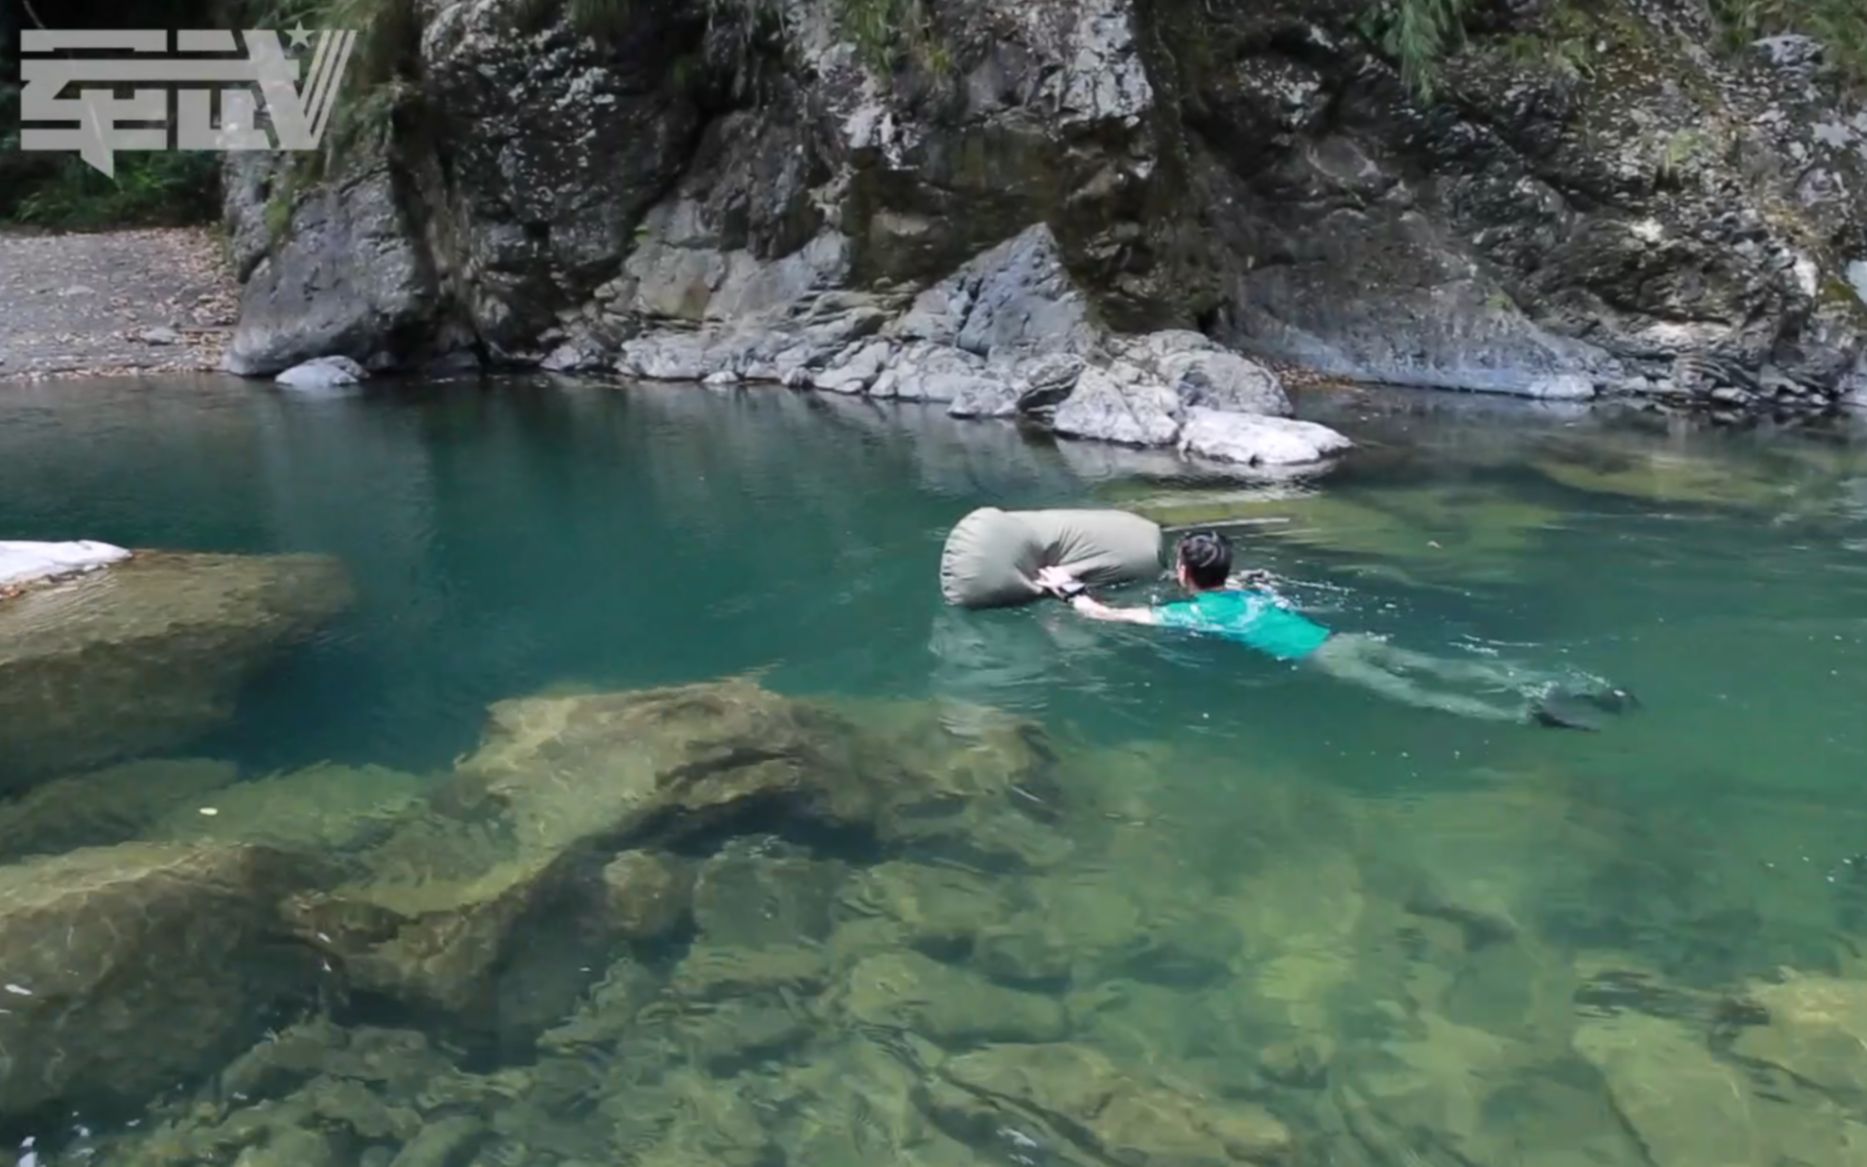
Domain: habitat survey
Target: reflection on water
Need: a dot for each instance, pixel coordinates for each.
(646, 805)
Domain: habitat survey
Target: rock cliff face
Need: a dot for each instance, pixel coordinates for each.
(1594, 200)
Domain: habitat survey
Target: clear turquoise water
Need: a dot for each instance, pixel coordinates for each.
(512, 536)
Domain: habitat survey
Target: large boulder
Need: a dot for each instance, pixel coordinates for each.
(1251, 440)
(532, 824)
(335, 269)
(147, 653)
(1144, 414)
(130, 968)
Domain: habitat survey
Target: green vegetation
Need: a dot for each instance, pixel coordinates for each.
(1566, 45)
(148, 190)
(884, 31)
(388, 40)
(61, 192)
(1419, 33)
(1841, 26)
(1682, 151)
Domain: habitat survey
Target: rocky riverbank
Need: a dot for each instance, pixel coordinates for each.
(116, 303)
(1593, 201)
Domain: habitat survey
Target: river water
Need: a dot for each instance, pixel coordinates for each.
(1415, 939)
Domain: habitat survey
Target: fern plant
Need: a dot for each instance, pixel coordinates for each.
(1418, 33)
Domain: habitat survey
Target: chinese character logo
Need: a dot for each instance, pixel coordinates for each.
(122, 82)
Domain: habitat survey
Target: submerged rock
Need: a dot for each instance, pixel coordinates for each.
(937, 908)
(746, 898)
(316, 810)
(1686, 1106)
(113, 805)
(1462, 531)
(607, 1012)
(148, 653)
(130, 968)
(1817, 1031)
(1125, 1117)
(647, 894)
(523, 832)
(946, 1004)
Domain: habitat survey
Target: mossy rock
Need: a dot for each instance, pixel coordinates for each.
(132, 967)
(320, 809)
(146, 654)
(112, 805)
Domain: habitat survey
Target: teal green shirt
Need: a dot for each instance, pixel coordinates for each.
(1249, 616)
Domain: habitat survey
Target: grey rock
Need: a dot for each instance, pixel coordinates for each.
(350, 275)
(554, 148)
(324, 373)
(670, 356)
(577, 356)
(1023, 301)
(1300, 202)
(976, 396)
(1227, 381)
(73, 291)
(1046, 381)
(1791, 52)
(1134, 415)
(1561, 387)
(859, 371)
(1253, 440)
(159, 336)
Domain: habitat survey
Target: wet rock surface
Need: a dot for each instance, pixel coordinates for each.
(148, 653)
(131, 967)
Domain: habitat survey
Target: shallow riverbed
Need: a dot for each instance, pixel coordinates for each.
(1195, 906)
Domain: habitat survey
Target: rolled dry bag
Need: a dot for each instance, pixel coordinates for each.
(992, 556)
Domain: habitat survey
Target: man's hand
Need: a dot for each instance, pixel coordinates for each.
(1058, 582)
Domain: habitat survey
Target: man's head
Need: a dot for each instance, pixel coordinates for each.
(1205, 561)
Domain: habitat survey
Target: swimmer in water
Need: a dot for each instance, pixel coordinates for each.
(1255, 617)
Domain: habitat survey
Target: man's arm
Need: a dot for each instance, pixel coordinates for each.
(1064, 586)
(1096, 610)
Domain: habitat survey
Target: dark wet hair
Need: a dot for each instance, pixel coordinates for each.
(1207, 558)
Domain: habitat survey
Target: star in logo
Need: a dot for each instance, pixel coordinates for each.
(300, 37)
